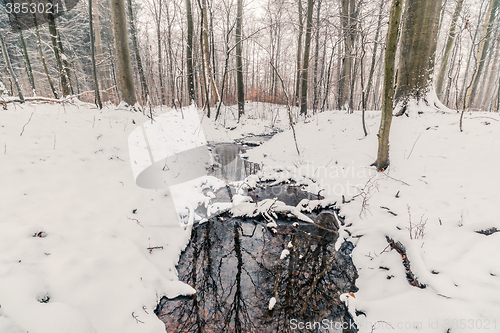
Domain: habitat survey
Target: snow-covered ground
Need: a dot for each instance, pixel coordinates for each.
(84, 249)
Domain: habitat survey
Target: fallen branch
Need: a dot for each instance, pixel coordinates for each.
(488, 232)
(412, 279)
(22, 131)
(38, 99)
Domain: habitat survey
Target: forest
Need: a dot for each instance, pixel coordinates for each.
(223, 166)
(316, 54)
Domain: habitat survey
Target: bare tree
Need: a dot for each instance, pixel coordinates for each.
(133, 31)
(125, 75)
(189, 52)
(92, 58)
(9, 67)
(449, 43)
(305, 67)
(239, 64)
(417, 53)
(382, 161)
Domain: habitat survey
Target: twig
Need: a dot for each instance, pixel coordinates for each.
(136, 220)
(136, 318)
(402, 182)
(288, 107)
(411, 151)
(155, 248)
(412, 279)
(26, 123)
(380, 321)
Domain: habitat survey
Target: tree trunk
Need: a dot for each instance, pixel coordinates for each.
(57, 53)
(125, 75)
(305, 68)
(158, 19)
(27, 62)
(239, 62)
(65, 62)
(374, 56)
(382, 161)
(449, 43)
(133, 31)
(316, 58)
(348, 22)
(170, 57)
(92, 58)
(418, 50)
(102, 70)
(299, 54)
(482, 52)
(189, 52)
(13, 77)
(206, 48)
(328, 74)
(42, 57)
(492, 75)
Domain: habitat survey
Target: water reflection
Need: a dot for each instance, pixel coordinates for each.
(235, 266)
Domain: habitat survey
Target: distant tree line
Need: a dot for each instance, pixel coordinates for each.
(330, 54)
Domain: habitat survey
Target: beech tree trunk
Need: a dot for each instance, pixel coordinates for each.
(449, 43)
(97, 95)
(482, 52)
(66, 91)
(418, 51)
(42, 57)
(305, 68)
(382, 161)
(348, 22)
(239, 62)
(374, 56)
(133, 31)
(125, 75)
(27, 62)
(299, 54)
(189, 52)
(13, 77)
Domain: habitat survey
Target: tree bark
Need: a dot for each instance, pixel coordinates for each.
(418, 51)
(27, 62)
(189, 52)
(66, 91)
(299, 54)
(133, 31)
(348, 22)
(316, 57)
(92, 58)
(239, 62)
(382, 161)
(374, 56)
(449, 43)
(482, 52)
(125, 75)
(13, 77)
(305, 68)
(206, 48)
(42, 57)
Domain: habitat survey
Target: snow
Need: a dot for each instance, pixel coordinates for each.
(83, 248)
(284, 254)
(444, 180)
(272, 303)
(69, 176)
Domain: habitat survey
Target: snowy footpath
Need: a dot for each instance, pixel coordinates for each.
(84, 249)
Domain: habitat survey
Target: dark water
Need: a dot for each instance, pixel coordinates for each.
(234, 264)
